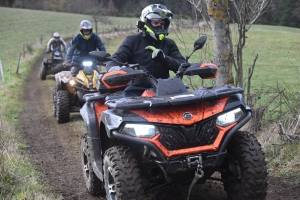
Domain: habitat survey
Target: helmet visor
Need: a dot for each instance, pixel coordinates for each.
(161, 15)
(86, 31)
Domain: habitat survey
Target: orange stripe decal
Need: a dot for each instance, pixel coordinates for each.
(99, 108)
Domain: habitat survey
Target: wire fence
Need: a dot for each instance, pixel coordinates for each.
(27, 49)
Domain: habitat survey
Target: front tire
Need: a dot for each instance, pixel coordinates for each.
(121, 174)
(43, 72)
(54, 91)
(62, 106)
(245, 170)
(92, 182)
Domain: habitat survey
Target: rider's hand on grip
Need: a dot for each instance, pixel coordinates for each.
(157, 54)
(48, 51)
(182, 68)
(67, 64)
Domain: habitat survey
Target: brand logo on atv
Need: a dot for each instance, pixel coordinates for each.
(187, 116)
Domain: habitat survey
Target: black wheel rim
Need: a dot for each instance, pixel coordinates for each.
(111, 184)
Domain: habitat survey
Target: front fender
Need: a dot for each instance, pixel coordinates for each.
(93, 138)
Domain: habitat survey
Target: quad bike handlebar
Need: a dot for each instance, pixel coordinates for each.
(126, 72)
(104, 57)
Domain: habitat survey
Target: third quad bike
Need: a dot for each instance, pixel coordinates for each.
(169, 135)
(49, 63)
(70, 89)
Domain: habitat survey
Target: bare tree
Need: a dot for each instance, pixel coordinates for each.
(218, 21)
(245, 13)
(98, 14)
(227, 52)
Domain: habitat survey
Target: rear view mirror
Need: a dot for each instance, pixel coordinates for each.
(200, 42)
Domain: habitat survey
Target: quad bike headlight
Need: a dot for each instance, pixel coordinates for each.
(140, 130)
(72, 82)
(87, 63)
(230, 117)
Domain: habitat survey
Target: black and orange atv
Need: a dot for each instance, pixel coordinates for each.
(169, 135)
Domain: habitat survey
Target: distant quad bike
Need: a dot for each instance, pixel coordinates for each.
(169, 135)
(70, 89)
(49, 63)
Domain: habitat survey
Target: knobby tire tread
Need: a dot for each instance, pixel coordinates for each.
(254, 176)
(126, 173)
(93, 183)
(62, 107)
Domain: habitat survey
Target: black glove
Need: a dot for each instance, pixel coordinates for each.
(182, 68)
(67, 64)
(48, 51)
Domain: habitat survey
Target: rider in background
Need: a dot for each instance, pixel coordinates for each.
(55, 43)
(80, 46)
(150, 48)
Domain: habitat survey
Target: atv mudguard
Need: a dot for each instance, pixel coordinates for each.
(47, 63)
(93, 137)
(61, 80)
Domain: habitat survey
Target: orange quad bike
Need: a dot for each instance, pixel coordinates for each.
(169, 135)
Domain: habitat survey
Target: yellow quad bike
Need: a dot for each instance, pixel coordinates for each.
(70, 89)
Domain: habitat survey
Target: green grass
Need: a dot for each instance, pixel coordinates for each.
(278, 49)
(22, 26)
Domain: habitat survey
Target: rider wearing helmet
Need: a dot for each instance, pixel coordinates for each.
(150, 48)
(156, 20)
(83, 43)
(55, 43)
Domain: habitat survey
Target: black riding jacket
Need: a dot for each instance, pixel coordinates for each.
(132, 50)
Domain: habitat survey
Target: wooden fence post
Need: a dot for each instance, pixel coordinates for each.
(23, 50)
(17, 71)
(1, 72)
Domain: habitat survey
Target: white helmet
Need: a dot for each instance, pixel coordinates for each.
(86, 25)
(56, 35)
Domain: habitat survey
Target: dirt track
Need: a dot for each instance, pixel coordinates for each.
(55, 149)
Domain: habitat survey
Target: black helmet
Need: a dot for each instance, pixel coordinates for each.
(156, 11)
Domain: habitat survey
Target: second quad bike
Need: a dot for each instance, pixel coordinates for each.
(49, 63)
(70, 89)
(169, 135)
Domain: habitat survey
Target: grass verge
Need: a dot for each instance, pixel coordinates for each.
(18, 179)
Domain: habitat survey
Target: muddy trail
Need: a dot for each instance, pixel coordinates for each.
(55, 149)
